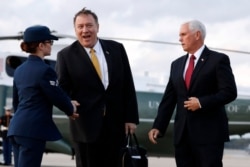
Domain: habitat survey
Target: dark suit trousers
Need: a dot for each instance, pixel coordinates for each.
(103, 152)
(189, 154)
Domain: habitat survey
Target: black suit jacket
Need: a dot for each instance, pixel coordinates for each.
(77, 76)
(213, 84)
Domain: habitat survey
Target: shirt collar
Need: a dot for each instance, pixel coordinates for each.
(97, 47)
(197, 54)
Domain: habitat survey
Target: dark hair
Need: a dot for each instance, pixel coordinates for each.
(85, 11)
(29, 47)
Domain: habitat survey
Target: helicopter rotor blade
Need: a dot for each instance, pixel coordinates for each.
(20, 36)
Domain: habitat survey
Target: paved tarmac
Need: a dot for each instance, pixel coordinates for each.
(232, 158)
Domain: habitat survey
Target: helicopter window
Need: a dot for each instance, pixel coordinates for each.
(13, 61)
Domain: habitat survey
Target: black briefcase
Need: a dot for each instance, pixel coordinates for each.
(133, 155)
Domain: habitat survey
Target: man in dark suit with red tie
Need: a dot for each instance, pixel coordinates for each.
(200, 123)
(106, 93)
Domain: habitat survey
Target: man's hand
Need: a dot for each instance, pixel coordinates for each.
(75, 114)
(192, 104)
(152, 135)
(75, 104)
(130, 127)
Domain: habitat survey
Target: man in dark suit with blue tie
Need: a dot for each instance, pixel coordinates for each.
(35, 91)
(106, 93)
(200, 123)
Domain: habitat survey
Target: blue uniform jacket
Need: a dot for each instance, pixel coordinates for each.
(35, 91)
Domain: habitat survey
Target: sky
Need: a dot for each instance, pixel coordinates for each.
(227, 24)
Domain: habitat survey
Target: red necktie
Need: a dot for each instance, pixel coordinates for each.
(189, 71)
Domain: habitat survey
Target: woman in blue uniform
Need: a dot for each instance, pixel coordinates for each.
(35, 91)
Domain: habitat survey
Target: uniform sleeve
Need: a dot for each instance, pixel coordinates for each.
(54, 93)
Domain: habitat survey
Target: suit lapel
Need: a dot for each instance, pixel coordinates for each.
(203, 58)
(107, 54)
(87, 62)
(183, 63)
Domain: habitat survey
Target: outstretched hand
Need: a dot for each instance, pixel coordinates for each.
(75, 114)
(75, 104)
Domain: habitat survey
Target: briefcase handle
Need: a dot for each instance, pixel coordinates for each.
(130, 139)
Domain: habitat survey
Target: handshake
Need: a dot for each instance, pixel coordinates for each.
(75, 114)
